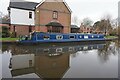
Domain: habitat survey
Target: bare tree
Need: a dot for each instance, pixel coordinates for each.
(106, 17)
(5, 17)
(75, 20)
(87, 22)
(114, 23)
(1, 15)
(107, 22)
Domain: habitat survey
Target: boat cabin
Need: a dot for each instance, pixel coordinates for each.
(60, 37)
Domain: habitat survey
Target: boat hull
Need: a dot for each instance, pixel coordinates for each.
(61, 38)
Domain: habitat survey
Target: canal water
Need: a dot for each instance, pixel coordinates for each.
(60, 60)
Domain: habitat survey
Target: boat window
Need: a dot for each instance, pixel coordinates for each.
(59, 37)
(59, 50)
(46, 37)
(98, 36)
(92, 36)
(85, 48)
(86, 37)
(72, 37)
(80, 36)
(22, 37)
(71, 48)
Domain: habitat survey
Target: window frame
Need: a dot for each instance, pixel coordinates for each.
(59, 37)
(86, 37)
(46, 37)
(71, 36)
(30, 15)
(55, 15)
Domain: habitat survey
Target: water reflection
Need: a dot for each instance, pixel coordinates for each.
(107, 51)
(56, 61)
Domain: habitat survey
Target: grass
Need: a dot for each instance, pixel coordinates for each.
(110, 37)
(8, 39)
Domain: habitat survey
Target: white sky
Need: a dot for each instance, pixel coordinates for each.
(94, 9)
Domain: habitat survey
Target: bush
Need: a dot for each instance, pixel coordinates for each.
(13, 34)
(5, 32)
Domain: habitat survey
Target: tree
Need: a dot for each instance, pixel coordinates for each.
(1, 15)
(103, 25)
(106, 17)
(5, 17)
(5, 32)
(107, 23)
(75, 20)
(113, 32)
(118, 31)
(114, 23)
(97, 24)
(87, 22)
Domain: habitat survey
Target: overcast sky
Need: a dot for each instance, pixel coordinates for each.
(94, 9)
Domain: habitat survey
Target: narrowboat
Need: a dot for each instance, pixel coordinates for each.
(60, 37)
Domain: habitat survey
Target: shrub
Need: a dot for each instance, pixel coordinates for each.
(5, 32)
(13, 34)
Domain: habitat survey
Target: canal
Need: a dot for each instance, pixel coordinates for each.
(60, 60)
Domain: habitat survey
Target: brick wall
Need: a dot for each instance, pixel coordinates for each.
(21, 29)
(44, 15)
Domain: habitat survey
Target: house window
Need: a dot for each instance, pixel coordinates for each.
(30, 63)
(30, 15)
(54, 29)
(55, 14)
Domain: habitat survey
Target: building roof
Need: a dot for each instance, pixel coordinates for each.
(74, 26)
(23, 5)
(55, 1)
(54, 24)
(29, 5)
(4, 21)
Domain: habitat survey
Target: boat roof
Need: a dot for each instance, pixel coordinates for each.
(69, 33)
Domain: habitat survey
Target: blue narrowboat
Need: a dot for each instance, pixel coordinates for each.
(61, 37)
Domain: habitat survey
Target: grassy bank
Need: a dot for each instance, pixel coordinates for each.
(110, 37)
(8, 39)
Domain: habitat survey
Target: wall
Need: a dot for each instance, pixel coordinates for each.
(22, 61)
(21, 29)
(19, 16)
(44, 15)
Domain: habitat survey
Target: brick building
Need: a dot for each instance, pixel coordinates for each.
(21, 17)
(85, 29)
(53, 16)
